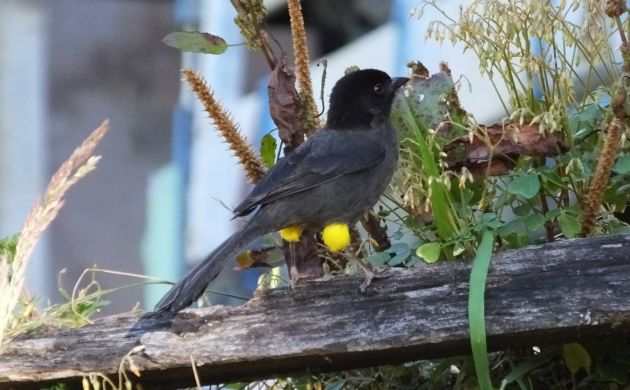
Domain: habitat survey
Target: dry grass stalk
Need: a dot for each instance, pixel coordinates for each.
(303, 75)
(600, 178)
(614, 130)
(44, 211)
(247, 156)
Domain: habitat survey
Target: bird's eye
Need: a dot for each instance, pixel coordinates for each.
(379, 89)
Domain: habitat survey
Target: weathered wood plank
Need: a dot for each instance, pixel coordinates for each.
(543, 294)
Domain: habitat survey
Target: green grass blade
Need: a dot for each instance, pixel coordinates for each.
(441, 203)
(520, 370)
(476, 315)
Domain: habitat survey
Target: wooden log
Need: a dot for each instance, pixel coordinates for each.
(537, 295)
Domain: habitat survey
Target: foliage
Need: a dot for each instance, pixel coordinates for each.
(476, 310)
(196, 42)
(605, 367)
(563, 78)
(539, 55)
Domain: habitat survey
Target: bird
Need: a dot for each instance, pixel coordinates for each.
(334, 177)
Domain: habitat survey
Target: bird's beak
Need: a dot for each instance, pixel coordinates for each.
(398, 82)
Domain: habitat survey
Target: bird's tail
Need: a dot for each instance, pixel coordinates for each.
(187, 290)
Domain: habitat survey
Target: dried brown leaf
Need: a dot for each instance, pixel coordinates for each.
(495, 148)
(284, 107)
(267, 257)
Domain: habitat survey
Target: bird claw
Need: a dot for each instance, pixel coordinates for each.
(370, 274)
(296, 277)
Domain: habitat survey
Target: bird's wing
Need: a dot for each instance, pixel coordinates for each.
(325, 156)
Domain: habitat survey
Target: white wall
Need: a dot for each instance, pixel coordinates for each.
(22, 123)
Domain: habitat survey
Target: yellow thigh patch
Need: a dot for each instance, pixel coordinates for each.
(291, 233)
(336, 236)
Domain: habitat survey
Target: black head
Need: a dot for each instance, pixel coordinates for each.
(361, 96)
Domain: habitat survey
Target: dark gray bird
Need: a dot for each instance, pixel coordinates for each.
(334, 177)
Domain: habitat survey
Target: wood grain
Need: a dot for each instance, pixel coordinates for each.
(537, 295)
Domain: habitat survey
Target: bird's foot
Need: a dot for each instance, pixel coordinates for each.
(293, 282)
(370, 274)
(296, 277)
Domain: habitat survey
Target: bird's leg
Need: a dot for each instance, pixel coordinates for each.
(293, 272)
(357, 247)
(369, 274)
(295, 275)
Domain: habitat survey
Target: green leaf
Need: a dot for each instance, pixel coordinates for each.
(402, 252)
(553, 181)
(520, 370)
(397, 235)
(476, 310)
(611, 372)
(196, 42)
(412, 222)
(534, 222)
(428, 98)
(236, 385)
(623, 189)
(429, 252)
(569, 225)
(413, 121)
(584, 121)
(379, 259)
(336, 384)
(268, 146)
(458, 249)
(495, 224)
(551, 214)
(59, 386)
(467, 196)
(488, 217)
(622, 166)
(510, 227)
(576, 357)
(523, 210)
(624, 229)
(526, 185)
(8, 246)
(414, 261)
(491, 220)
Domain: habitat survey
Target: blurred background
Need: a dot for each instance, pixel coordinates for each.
(160, 197)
